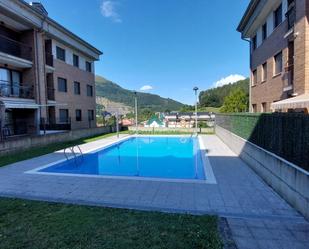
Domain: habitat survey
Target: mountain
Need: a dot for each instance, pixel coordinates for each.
(214, 97)
(116, 94)
(112, 107)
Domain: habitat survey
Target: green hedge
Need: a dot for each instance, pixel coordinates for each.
(285, 134)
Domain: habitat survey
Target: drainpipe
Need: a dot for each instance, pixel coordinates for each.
(249, 41)
(40, 30)
(37, 73)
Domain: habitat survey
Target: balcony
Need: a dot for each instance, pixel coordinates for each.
(49, 59)
(15, 90)
(291, 16)
(50, 93)
(15, 48)
(289, 77)
(55, 124)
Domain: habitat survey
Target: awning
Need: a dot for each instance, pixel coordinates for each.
(299, 102)
(18, 103)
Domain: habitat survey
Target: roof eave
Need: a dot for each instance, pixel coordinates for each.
(250, 9)
(62, 28)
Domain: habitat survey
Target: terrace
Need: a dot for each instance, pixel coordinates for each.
(256, 215)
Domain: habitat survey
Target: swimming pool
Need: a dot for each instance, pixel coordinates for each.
(139, 157)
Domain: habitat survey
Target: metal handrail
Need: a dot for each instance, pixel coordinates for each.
(74, 154)
(49, 59)
(50, 93)
(15, 48)
(291, 16)
(15, 89)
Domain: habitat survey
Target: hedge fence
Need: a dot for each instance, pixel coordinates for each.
(285, 134)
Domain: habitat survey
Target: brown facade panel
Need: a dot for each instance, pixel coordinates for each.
(294, 79)
(69, 99)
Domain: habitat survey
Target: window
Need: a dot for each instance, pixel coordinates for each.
(264, 31)
(278, 16)
(78, 115)
(76, 88)
(264, 72)
(64, 115)
(75, 60)
(62, 85)
(264, 107)
(90, 115)
(89, 91)
(254, 77)
(254, 109)
(60, 53)
(88, 66)
(254, 43)
(278, 63)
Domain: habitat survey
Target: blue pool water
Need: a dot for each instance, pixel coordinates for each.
(154, 157)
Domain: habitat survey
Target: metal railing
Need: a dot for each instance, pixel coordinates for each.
(9, 89)
(15, 48)
(47, 124)
(49, 59)
(20, 127)
(50, 93)
(291, 16)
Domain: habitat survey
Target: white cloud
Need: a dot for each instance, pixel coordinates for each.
(229, 79)
(146, 88)
(108, 10)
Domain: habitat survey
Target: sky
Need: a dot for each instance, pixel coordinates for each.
(164, 47)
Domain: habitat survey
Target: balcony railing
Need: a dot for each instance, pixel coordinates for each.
(55, 124)
(15, 48)
(291, 16)
(13, 130)
(15, 90)
(50, 93)
(49, 59)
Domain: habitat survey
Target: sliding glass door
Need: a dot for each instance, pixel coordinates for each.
(5, 79)
(16, 80)
(10, 82)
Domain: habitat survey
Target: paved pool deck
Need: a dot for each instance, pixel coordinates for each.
(257, 215)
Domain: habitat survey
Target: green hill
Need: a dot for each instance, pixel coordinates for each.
(214, 97)
(113, 92)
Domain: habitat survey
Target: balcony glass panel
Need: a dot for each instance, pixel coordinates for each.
(15, 48)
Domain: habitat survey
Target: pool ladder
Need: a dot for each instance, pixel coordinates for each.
(74, 154)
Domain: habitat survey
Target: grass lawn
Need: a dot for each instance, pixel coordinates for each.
(39, 225)
(42, 150)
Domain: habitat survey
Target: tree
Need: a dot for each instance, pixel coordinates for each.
(215, 97)
(144, 114)
(237, 101)
(187, 108)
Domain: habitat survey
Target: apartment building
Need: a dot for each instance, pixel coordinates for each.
(278, 33)
(47, 78)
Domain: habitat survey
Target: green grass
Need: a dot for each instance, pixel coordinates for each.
(39, 225)
(210, 109)
(42, 150)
